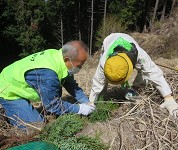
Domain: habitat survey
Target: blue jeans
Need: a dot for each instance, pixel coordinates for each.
(46, 81)
(22, 109)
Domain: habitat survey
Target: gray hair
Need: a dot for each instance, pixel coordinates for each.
(70, 49)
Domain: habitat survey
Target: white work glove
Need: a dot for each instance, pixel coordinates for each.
(171, 105)
(86, 109)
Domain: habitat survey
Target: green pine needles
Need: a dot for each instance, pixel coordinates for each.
(63, 127)
(62, 133)
(103, 110)
(81, 143)
(92, 143)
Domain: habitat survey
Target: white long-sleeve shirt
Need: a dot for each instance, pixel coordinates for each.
(144, 64)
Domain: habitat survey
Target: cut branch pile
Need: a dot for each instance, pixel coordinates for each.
(140, 125)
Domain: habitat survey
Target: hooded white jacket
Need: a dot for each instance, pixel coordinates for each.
(146, 68)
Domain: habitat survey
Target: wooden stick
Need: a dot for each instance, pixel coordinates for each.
(175, 69)
(39, 129)
(27, 124)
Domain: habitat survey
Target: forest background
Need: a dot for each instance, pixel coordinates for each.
(28, 26)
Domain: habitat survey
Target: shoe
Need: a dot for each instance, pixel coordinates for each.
(132, 95)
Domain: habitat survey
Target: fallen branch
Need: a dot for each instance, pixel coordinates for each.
(27, 124)
(21, 121)
(146, 146)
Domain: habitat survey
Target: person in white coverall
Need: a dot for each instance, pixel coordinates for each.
(121, 54)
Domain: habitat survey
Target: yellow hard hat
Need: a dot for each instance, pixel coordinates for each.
(118, 68)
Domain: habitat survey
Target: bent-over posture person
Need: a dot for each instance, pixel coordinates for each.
(41, 76)
(121, 54)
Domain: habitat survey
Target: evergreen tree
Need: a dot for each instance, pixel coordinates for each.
(25, 17)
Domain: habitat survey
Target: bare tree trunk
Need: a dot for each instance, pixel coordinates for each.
(104, 20)
(91, 30)
(163, 11)
(62, 36)
(59, 31)
(172, 6)
(146, 14)
(79, 32)
(155, 9)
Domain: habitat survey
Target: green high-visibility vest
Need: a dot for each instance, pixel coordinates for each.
(12, 78)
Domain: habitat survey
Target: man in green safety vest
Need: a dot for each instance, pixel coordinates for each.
(40, 77)
(121, 54)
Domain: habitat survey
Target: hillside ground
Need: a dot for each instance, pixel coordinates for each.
(135, 125)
